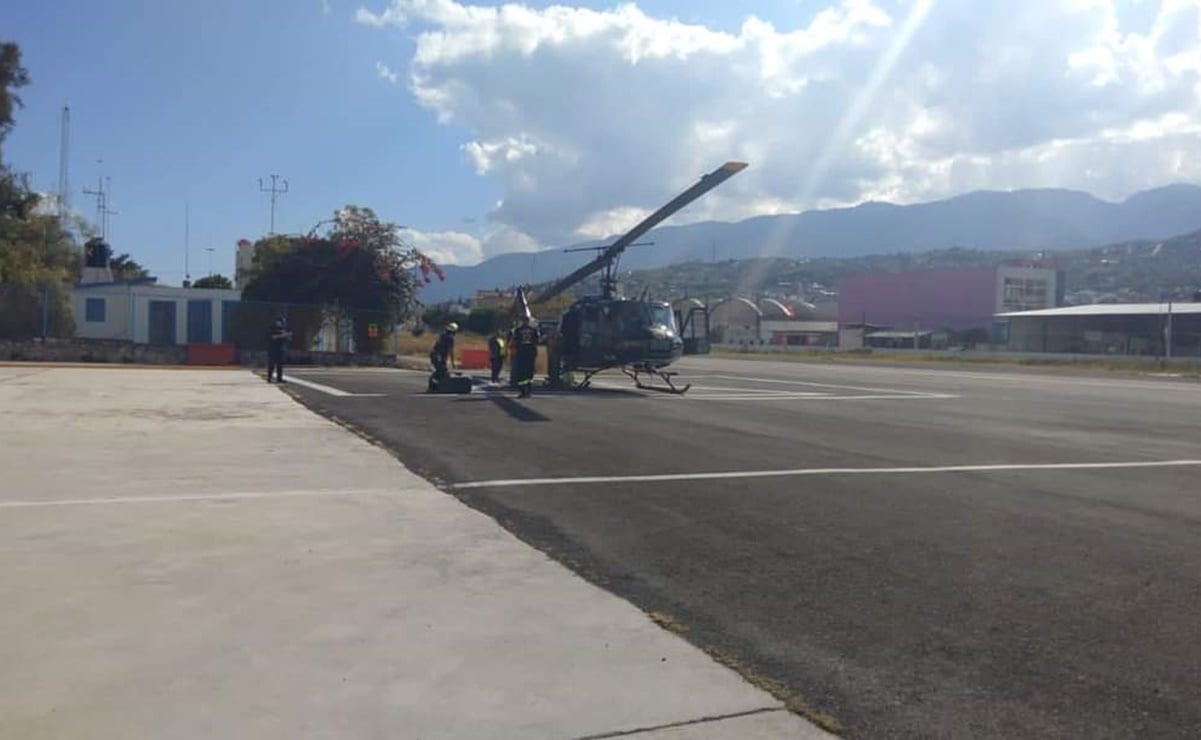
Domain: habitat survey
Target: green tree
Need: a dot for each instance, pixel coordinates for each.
(12, 77)
(214, 281)
(358, 269)
(36, 256)
(484, 321)
(125, 268)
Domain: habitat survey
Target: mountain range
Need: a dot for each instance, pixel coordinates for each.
(1018, 221)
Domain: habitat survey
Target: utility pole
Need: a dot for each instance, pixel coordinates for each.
(210, 251)
(64, 180)
(187, 272)
(1168, 332)
(275, 191)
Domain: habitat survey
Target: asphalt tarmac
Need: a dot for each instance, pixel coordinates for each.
(909, 552)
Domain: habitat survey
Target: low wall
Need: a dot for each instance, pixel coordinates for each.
(258, 358)
(118, 352)
(91, 350)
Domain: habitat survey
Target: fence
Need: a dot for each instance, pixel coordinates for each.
(35, 312)
(248, 325)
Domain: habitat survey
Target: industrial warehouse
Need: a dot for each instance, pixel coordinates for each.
(1152, 329)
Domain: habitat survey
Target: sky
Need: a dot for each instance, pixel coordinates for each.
(486, 128)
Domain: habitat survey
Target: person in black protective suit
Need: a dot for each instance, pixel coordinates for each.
(443, 354)
(277, 348)
(525, 339)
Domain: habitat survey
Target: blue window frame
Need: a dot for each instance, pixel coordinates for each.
(94, 310)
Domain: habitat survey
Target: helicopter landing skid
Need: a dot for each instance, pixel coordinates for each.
(666, 377)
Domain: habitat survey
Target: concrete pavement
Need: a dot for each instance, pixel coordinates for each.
(193, 554)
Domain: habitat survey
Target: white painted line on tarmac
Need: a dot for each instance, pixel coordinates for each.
(328, 389)
(892, 391)
(814, 397)
(509, 483)
(329, 493)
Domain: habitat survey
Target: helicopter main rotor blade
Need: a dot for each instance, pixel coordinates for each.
(521, 305)
(706, 183)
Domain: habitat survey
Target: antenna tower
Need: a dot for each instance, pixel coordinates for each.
(275, 191)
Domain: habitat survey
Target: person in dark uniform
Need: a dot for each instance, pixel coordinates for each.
(443, 354)
(511, 350)
(496, 354)
(277, 348)
(525, 338)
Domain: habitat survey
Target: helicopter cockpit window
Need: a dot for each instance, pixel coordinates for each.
(661, 316)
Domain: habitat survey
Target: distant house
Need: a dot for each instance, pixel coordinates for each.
(494, 300)
(243, 263)
(800, 333)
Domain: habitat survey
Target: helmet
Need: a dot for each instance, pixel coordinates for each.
(452, 327)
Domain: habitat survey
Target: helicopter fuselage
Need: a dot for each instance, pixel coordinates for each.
(598, 333)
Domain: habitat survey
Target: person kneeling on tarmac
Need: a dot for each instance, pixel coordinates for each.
(525, 338)
(443, 355)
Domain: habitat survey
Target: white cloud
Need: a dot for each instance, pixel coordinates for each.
(506, 239)
(325, 8)
(459, 248)
(447, 247)
(588, 117)
(613, 222)
(385, 73)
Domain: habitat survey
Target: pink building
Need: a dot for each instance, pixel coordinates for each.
(955, 300)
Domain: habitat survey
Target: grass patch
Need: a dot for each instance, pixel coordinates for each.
(1149, 365)
(667, 622)
(792, 700)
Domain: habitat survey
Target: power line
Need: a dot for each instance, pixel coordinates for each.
(275, 191)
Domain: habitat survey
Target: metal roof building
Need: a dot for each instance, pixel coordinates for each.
(1152, 329)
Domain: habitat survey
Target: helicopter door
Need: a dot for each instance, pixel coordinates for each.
(570, 331)
(589, 324)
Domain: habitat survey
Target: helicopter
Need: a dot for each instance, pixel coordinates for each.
(610, 331)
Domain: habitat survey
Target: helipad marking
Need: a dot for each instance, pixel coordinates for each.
(696, 394)
(582, 480)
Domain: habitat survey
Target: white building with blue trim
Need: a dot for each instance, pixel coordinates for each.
(143, 312)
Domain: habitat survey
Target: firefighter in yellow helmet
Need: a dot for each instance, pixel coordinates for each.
(443, 354)
(496, 354)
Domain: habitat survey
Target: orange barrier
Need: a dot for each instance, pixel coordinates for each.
(473, 359)
(211, 354)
